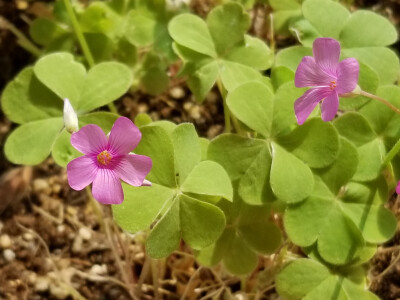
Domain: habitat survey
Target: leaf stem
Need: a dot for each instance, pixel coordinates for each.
(23, 41)
(387, 103)
(227, 113)
(392, 153)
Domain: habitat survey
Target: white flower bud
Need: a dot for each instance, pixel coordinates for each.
(70, 117)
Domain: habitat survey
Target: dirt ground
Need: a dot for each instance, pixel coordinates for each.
(55, 245)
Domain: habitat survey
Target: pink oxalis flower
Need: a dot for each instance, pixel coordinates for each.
(107, 160)
(327, 77)
(398, 188)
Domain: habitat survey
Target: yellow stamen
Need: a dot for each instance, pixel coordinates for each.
(332, 85)
(104, 158)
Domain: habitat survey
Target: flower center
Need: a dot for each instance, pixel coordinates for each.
(332, 85)
(104, 158)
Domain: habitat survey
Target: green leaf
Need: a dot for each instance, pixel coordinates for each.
(254, 187)
(141, 206)
(166, 235)
(375, 30)
(208, 178)
(316, 143)
(197, 233)
(214, 253)
(192, 32)
(227, 24)
(43, 31)
(355, 128)
(31, 143)
(291, 57)
(104, 83)
(61, 74)
(157, 144)
(342, 170)
(297, 278)
(291, 180)
(235, 74)
(140, 29)
(142, 119)
(253, 53)
(187, 149)
(252, 104)
(281, 75)
(203, 79)
(382, 60)
(153, 76)
(354, 292)
(234, 153)
(26, 99)
(240, 259)
(370, 160)
(204, 143)
(304, 32)
(335, 16)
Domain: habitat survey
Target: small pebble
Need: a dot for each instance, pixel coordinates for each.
(58, 292)
(98, 270)
(56, 188)
(177, 92)
(27, 236)
(9, 255)
(85, 233)
(61, 228)
(143, 108)
(194, 112)
(40, 185)
(77, 245)
(42, 284)
(5, 241)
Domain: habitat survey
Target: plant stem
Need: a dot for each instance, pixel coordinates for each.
(392, 153)
(96, 209)
(272, 34)
(84, 45)
(387, 103)
(23, 41)
(79, 34)
(227, 113)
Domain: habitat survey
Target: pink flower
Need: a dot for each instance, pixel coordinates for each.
(327, 77)
(107, 160)
(398, 188)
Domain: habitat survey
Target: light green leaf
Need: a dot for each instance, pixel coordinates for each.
(291, 180)
(281, 75)
(304, 31)
(316, 143)
(43, 31)
(192, 32)
(355, 128)
(213, 254)
(235, 74)
(195, 232)
(252, 104)
(253, 53)
(140, 28)
(31, 143)
(335, 16)
(157, 144)
(227, 24)
(141, 206)
(254, 187)
(380, 59)
(166, 235)
(234, 153)
(291, 57)
(208, 178)
(26, 99)
(61, 74)
(104, 83)
(203, 79)
(370, 160)
(299, 277)
(187, 149)
(376, 30)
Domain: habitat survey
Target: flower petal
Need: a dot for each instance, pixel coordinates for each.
(326, 53)
(124, 136)
(348, 71)
(304, 105)
(107, 188)
(308, 73)
(81, 172)
(398, 188)
(134, 168)
(89, 139)
(330, 107)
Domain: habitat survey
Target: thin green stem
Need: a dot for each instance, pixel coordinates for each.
(387, 103)
(79, 34)
(392, 153)
(227, 113)
(23, 41)
(272, 34)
